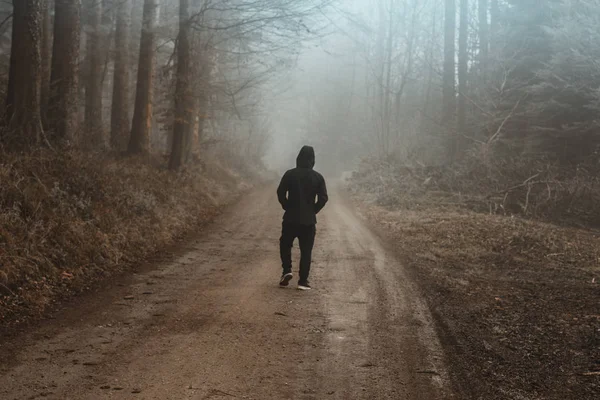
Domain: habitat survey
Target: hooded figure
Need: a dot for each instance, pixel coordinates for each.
(302, 193)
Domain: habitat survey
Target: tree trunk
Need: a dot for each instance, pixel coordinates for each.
(12, 73)
(449, 81)
(462, 71)
(408, 64)
(380, 86)
(107, 30)
(483, 38)
(494, 25)
(387, 89)
(203, 101)
(139, 141)
(120, 122)
(46, 58)
(93, 88)
(190, 131)
(64, 87)
(26, 74)
(183, 101)
(430, 72)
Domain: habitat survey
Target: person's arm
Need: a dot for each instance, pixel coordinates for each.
(322, 196)
(282, 191)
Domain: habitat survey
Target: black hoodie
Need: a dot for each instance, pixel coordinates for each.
(302, 192)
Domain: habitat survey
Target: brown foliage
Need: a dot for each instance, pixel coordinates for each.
(484, 182)
(69, 219)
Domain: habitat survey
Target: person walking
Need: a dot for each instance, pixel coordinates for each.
(302, 193)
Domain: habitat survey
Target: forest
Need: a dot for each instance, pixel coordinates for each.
(494, 100)
(140, 77)
(102, 98)
(140, 145)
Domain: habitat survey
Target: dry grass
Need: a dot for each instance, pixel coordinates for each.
(532, 188)
(67, 220)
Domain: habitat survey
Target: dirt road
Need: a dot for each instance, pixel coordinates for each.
(213, 324)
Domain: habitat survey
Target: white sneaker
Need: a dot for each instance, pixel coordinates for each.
(285, 279)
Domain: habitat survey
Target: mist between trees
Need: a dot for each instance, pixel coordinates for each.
(489, 98)
(481, 96)
(147, 76)
(436, 79)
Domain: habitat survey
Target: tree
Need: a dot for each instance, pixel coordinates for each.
(9, 103)
(449, 82)
(183, 98)
(139, 141)
(93, 87)
(203, 92)
(563, 97)
(430, 62)
(64, 86)
(46, 57)
(24, 104)
(483, 38)
(494, 25)
(462, 71)
(120, 110)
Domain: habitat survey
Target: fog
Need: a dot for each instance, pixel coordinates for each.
(359, 89)
(315, 106)
(438, 82)
(316, 101)
(409, 82)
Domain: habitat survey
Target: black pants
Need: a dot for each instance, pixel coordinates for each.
(306, 238)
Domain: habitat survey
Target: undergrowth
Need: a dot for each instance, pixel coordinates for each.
(68, 219)
(526, 186)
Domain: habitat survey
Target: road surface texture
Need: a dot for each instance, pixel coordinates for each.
(212, 323)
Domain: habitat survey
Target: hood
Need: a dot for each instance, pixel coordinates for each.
(306, 157)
